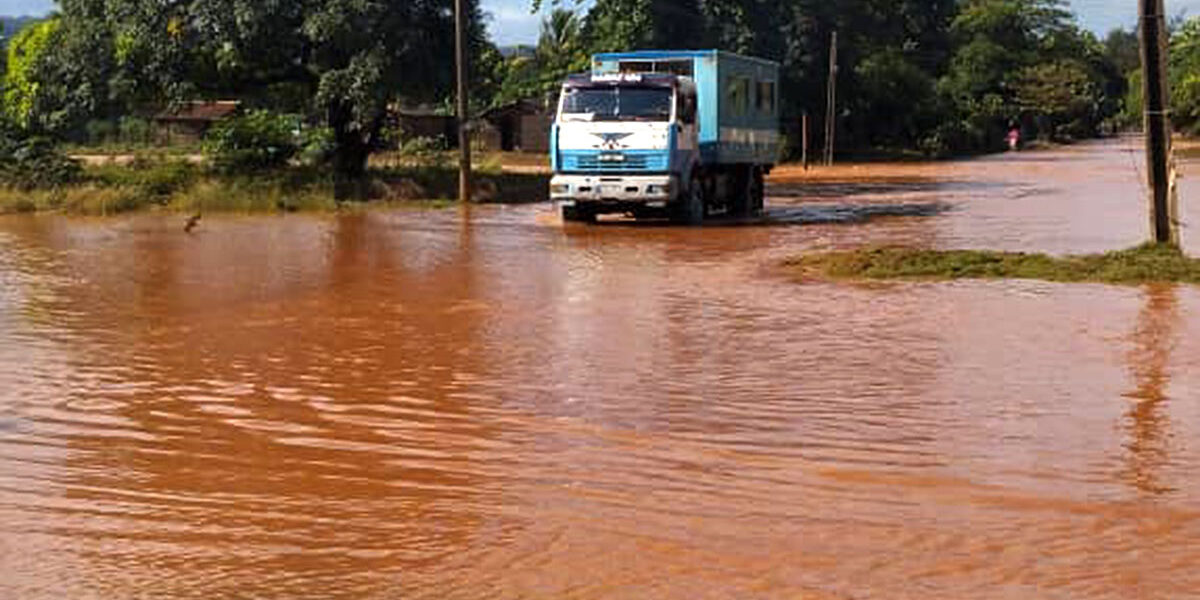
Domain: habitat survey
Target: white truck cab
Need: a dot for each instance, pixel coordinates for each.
(618, 139)
(678, 134)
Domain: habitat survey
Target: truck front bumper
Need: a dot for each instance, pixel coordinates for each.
(653, 191)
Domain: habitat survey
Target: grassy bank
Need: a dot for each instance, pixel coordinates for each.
(178, 186)
(1144, 264)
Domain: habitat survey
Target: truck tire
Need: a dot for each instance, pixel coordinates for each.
(741, 201)
(578, 214)
(690, 208)
(756, 191)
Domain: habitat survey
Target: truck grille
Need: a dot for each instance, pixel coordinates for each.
(607, 163)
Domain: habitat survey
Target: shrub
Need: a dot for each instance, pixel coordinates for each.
(427, 151)
(32, 162)
(284, 191)
(135, 131)
(155, 181)
(422, 147)
(100, 132)
(256, 140)
(100, 201)
(391, 137)
(316, 145)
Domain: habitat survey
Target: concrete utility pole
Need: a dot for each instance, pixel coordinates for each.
(464, 134)
(831, 101)
(1164, 205)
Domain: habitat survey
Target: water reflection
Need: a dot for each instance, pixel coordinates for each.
(1147, 423)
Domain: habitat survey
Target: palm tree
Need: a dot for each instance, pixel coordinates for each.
(561, 36)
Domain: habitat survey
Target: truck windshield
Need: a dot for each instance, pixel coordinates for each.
(617, 104)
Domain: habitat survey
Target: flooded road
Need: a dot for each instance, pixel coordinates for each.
(484, 404)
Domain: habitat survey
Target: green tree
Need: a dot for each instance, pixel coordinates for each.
(258, 139)
(1121, 46)
(3, 71)
(1184, 72)
(996, 39)
(348, 60)
(945, 75)
(891, 54)
(1010, 55)
(614, 25)
(561, 50)
(895, 100)
(1062, 92)
(21, 87)
(561, 47)
(64, 65)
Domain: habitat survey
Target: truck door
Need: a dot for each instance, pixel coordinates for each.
(686, 127)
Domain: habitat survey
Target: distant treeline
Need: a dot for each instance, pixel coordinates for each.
(933, 75)
(938, 76)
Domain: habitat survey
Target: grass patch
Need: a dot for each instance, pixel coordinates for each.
(176, 185)
(155, 180)
(441, 183)
(85, 199)
(131, 149)
(1143, 264)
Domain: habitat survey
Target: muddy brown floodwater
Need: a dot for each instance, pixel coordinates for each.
(485, 404)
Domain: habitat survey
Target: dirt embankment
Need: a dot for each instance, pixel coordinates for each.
(898, 172)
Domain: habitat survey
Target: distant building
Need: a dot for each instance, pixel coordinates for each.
(425, 122)
(522, 126)
(189, 121)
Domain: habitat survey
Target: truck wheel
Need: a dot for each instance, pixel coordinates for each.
(690, 207)
(756, 191)
(741, 203)
(750, 200)
(578, 214)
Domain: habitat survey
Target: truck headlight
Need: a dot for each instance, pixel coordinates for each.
(560, 188)
(658, 190)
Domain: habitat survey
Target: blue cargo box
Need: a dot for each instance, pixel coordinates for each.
(737, 99)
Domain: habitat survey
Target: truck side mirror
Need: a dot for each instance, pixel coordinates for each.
(689, 111)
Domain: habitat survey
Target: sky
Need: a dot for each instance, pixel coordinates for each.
(511, 22)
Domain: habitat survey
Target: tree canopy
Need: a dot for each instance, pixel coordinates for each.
(1183, 68)
(341, 62)
(943, 75)
(938, 75)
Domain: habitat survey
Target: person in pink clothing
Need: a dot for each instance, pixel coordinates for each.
(1013, 138)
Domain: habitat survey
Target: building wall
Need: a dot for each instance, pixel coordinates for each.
(487, 136)
(435, 127)
(534, 133)
(180, 132)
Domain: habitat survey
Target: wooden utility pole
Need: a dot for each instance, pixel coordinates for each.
(1164, 209)
(831, 101)
(464, 134)
(804, 139)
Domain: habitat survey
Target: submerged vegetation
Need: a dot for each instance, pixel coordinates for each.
(1144, 264)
